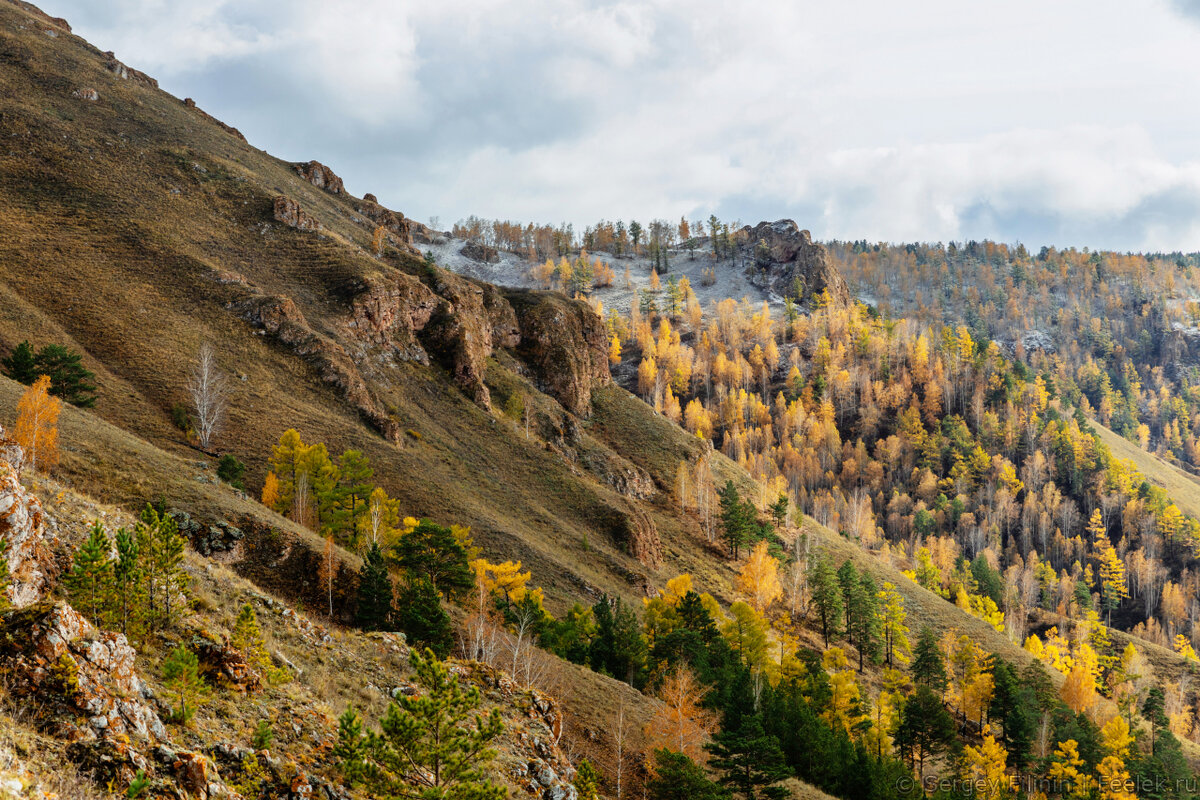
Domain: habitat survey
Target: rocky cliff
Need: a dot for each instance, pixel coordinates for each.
(786, 261)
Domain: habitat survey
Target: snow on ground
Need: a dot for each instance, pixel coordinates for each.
(513, 271)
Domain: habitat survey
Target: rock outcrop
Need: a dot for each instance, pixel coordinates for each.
(460, 334)
(190, 103)
(127, 73)
(320, 176)
(389, 311)
(280, 317)
(787, 262)
(392, 221)
(565, 344)
(30, 563)
(289, 212)
(477, 251)
(50, 652)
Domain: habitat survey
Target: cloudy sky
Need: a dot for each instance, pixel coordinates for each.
(1074, 122)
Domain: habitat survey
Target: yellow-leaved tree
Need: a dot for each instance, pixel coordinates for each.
(681, 723)
(37, 425)
(759, 579)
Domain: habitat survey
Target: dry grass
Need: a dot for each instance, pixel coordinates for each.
(1182, 487)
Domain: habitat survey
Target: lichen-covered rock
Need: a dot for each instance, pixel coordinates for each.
(288, 211)
(30, 562)
(632, 528)
(565, 343)
(787, 262)
(50, 652)
(226, 666)
(320, 176)
(86, 93)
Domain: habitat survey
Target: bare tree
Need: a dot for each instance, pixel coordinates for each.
(210, 395)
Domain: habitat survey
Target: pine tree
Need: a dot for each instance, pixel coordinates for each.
(736, 519)
(374, 609)
(677, 777)
(750, 760)
(434, 553)
(68, 377)
(868, 632)
(587, 781)
(248, 637)
(161, 547)
(430, 745)
(21, 364)
(181, 676)
(928, 667)
(354, 473)
(89, 583)
(419, 614)
(826, 596)
(127, 585)
(925, 727)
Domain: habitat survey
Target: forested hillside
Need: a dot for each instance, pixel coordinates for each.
(291, 508)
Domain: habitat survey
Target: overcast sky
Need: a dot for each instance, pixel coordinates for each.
(1074, 122)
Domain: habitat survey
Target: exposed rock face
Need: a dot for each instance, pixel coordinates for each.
(460, 334)
(565, 343)
(42, 646)
(90, 95)
(390, 311)
(126, 73)
(288, 212)
(632, 528)
(320, 176)
(190, 103)
(788, 263)
(42, 16)
(281, 318)
(480, 252)
(392, 221)
(30, 561)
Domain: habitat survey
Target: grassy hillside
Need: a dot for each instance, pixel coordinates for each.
(1181, 486)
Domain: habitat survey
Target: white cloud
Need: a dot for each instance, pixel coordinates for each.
(1063, 122)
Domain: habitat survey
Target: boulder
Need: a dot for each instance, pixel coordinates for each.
(90, 95)
(320, 176)
(391, 221)
(226, 666)
(787, 262)
(288, 212)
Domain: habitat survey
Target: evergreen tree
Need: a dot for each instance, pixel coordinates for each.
(161, 546)
(355, 473)
(432, 745)
(750, 760)
(737, 519)
(826, 596)
(248, 637)
(21, 364)
(420, 615)
(1010, 707)
(435, 554)
(928, 666)
(868, 628)
(127, 584)
(847, 577)
(68, 377)
(374, 609)
(677, 777)
(89, 583)
(587, 781)
(926, 728)
(181, 676)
